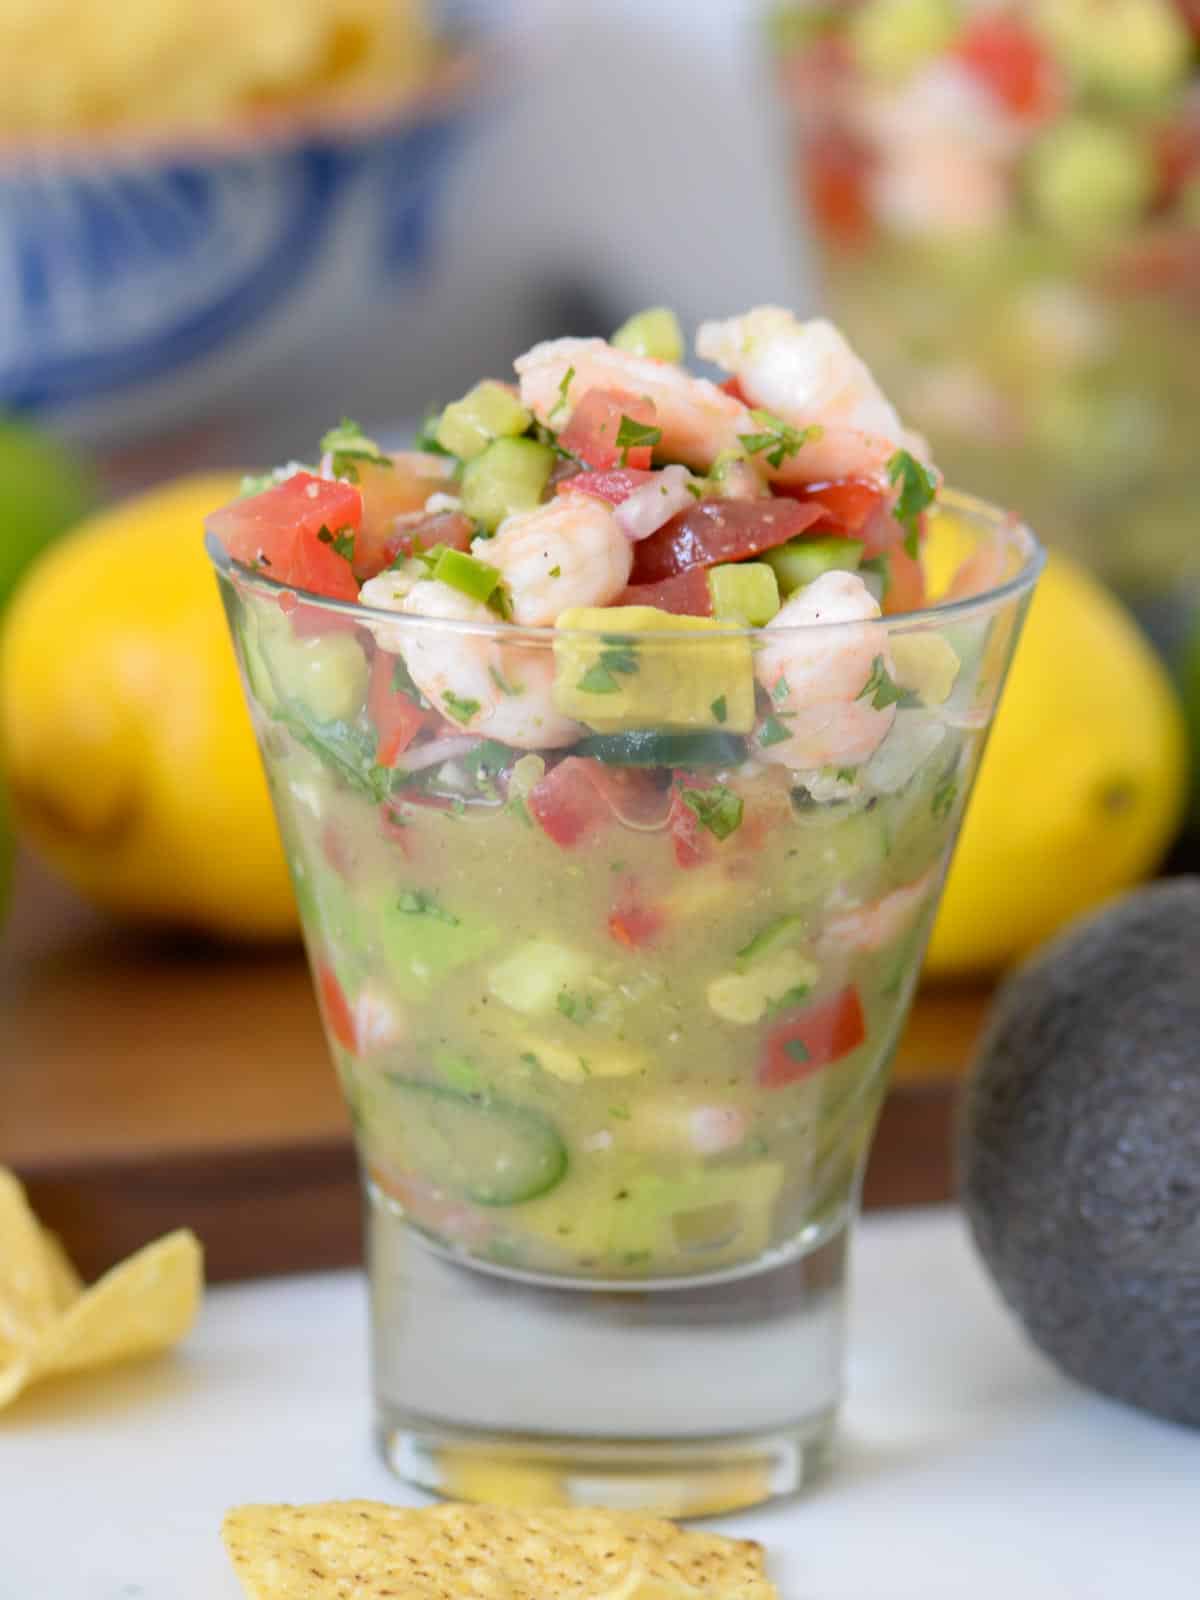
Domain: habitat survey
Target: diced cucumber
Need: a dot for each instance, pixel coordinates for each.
(510, 475)
(655, 333)
(422, 941)
(611, 679)
(474, 578)
(744, 592)
(801, 561)
(531, 979)
(489, 412)
(257, 676)
(1132, 51)
(493, 1152)
(645, 747)
(326, 674)
(775, 936)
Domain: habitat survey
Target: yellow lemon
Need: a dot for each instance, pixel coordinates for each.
(1082, 787)
(127, 747)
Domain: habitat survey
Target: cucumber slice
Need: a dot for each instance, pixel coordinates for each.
(493, 1152)
(745, 592)
(489, 412)
(800, 561)
(654, 333)
(644, 747)
(509, 476)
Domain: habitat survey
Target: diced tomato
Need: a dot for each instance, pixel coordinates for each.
(591, 434)
(633, 923)
(693, 847)
(1177, 155)
(712, 531)
(395, 718)
(733, 386)
(336, 850)
(394, 491)
(614, 486)
(906, 582)
(685, 595)
(279, 530)
(808, 1039)
(310, 622)
(837, 176)
(1191, 14)
(454, 529)
(1009, 60)
(567, 804)
(850, 503)
(336, 1009)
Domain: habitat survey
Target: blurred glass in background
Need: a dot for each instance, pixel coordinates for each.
(1006, 199)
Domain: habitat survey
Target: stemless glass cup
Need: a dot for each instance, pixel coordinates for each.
(613, 1016)
(1023, 278)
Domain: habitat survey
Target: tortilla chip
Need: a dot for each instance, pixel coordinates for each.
(27, 1280)
(359, 1549)
(49, 1323)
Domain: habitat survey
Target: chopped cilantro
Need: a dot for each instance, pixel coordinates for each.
(846, 774)
(944, 797)
(563, 390)
(717, 809)
(530, 1060)
(502, 683)
(427, 439)
(780, 690)
(883, 690)
(462, 710)
(795, 1049)
(342, 746)
(778, 441)
(600, 677)
(632, 435)
(772, 731)
(719, 708)
(918, 487)
(342, 544)
(574, 1007)
(789, 1000)
(459, 1071)
(556, 572)
(347, 445)
(621, 1113)
(417, 903)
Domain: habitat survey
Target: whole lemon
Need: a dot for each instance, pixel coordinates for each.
(1083, 785)
(128, 751)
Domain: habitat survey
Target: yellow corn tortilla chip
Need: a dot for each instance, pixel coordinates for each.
(28, 1298)
(367, 1551)
(65, 1283)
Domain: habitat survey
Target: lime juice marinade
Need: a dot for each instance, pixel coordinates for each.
(614, 903)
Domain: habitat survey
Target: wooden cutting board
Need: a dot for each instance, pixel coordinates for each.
(150, 1084)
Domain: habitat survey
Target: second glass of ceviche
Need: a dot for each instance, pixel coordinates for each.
(619, 735)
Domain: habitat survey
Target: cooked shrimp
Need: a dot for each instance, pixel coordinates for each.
(816, 676)
(502, 691)
(807, 375)
(569, 552)
(879, 922)
(698, 420)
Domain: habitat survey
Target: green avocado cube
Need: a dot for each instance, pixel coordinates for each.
(800, 561)
(511, 475)
(654, 333)
(614, 670)
(745, 593)
(423, 941)
(490, 411)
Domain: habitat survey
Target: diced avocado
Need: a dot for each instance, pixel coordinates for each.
(490, 411)
(633, 1219)
(891, 38)
(578, 1063)
(616, 680)
(743, 997)
(1088, 177)
(800, 561)
(510, 475)
(926, 664)
(532, 977)
(655, 333)
(745, 593)
(1129, 50)
(253, 662)
(327, 673)
(423, 941)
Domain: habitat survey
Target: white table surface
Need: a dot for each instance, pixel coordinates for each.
(968, 1470)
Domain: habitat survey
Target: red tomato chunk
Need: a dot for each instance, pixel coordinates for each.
(281, 531)
(686, 595)
(395, 718)
(713, 531)
(808, 1039)
(567, 804)
(592, 431)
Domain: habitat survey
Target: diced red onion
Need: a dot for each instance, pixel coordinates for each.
(421, 756)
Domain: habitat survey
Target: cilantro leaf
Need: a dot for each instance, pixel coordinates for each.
(632, 434)
(462, 710)
(563, 390)
(795, 1049)
(503, 684)
(426, 437)
(881, 689)
(418, 903)
(944, 796)
(918, 489)
(717, 809)
(772, 731)
(719, 708)
(576, 1008)
(600, 677)
(778, 441)
(347, 445)
(345, 748)
(342, 544)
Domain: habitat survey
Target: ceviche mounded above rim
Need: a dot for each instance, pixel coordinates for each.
(618, 736)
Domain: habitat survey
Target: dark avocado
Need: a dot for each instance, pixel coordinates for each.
(1080, 1149)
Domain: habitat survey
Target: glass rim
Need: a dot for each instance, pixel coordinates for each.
(501, 632)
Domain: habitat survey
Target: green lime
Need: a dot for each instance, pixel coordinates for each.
(44, 489)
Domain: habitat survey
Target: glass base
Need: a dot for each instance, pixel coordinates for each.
(688, 1478)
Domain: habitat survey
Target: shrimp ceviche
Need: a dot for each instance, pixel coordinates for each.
(618, 758)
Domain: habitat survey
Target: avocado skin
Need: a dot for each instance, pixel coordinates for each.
(1080, 1150)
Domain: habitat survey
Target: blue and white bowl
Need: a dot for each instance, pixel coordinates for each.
(147, 284)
